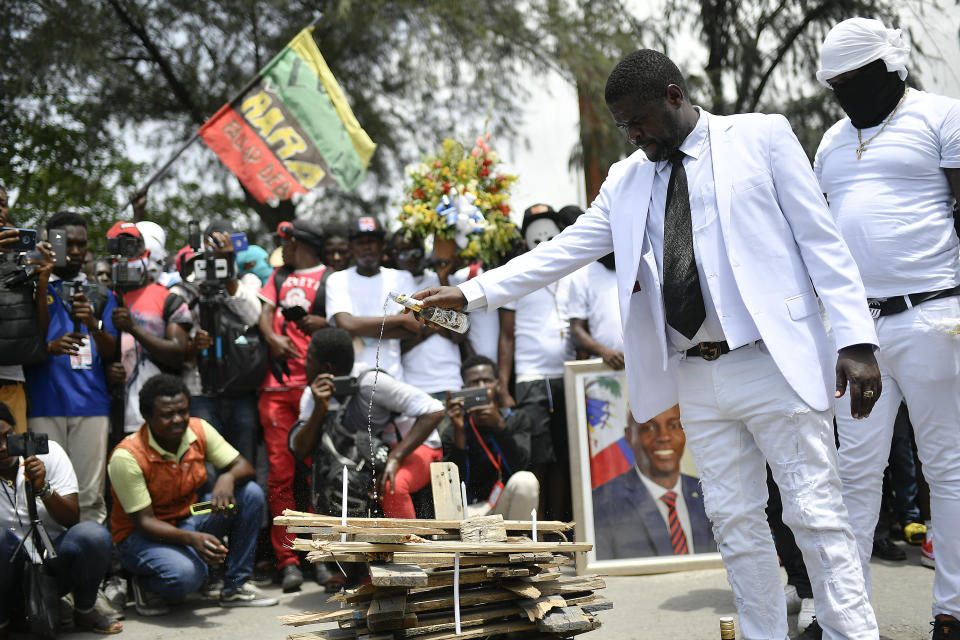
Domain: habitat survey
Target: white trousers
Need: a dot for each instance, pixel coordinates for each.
(920, 363)
(520, 496)
(84, 438)
(739, 414)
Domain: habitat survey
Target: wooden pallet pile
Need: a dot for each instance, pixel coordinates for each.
(508, 583)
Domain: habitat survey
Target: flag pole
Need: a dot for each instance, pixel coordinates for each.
(159, 173)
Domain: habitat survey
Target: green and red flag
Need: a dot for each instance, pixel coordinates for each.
(292, 129)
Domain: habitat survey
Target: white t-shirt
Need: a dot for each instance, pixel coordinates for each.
(434, 364)
(391, 397)
(593, 297)
(894, 204)
(484, 333)
(349, 292)
(542, 331)
(62, 479)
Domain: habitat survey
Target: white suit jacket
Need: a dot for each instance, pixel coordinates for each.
(782, 244)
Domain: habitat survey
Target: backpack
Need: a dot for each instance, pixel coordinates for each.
(343, 444)
(243, 349)
(21, 340)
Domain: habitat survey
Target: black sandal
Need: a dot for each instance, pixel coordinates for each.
(95, 621)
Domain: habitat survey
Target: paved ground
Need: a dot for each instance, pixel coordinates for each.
(682, 605)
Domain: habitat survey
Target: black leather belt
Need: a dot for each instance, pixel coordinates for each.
(880, 307)
(709, 350)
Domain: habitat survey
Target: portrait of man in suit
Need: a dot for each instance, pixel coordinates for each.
(652, 509)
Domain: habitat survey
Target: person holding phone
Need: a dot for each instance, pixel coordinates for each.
(292, 311)
(69, 399)
(490, 446)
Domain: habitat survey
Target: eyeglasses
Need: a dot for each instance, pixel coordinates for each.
(410, 254)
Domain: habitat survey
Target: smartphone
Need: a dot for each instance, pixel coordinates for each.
(344, 386)
(27, 444)
(26, 240)
(239, 241)
(293, 314)
(472, 397)
(58, 240)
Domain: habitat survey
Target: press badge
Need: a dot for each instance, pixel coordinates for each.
(84, 356)
(495, 494)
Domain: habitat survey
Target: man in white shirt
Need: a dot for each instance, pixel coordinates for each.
(357, 300)
(891, 173)
(721, 234)
(431, 360)
(594, 315)
(652, 509)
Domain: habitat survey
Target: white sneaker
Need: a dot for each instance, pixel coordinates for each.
(246, 595)
(793, 598)
(807, 614)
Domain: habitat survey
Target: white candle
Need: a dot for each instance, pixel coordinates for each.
(456, 591)
(533, 518)
(343, 508)
(463, 498)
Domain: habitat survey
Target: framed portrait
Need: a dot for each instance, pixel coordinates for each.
(636, 493)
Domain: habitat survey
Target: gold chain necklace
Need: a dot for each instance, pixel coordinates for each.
(863, 145)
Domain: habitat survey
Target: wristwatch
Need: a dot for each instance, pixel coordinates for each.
(46, 491)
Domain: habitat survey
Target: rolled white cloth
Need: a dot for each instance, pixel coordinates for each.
(857, 42)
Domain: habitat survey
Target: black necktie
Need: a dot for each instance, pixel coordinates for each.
(682, 297)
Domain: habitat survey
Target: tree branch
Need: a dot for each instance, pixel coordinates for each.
(178, 88)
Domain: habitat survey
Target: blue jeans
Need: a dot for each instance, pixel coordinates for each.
(236, 419)
(83, 555)
(175, 570)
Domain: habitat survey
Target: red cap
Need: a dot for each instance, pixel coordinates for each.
(185, 255)
(124, 228)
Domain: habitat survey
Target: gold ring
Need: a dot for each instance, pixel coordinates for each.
(868, 393)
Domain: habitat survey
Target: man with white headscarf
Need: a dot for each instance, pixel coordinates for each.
(891, 174)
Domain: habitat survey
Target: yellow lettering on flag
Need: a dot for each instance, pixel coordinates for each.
(306, 173)
(255, 104)
(292, 142)
(267, 121)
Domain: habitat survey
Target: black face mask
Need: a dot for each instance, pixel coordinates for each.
(871, 95)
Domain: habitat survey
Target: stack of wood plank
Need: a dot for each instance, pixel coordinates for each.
(508, 584)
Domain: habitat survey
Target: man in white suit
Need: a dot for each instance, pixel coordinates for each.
(714, 275)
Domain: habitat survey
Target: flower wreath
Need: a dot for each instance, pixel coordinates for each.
(458, 195)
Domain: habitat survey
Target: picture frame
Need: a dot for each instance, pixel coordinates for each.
(596, 403)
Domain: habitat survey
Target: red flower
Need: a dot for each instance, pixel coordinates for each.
(419, 194)
(484, 172)
(487, 162)
(437, 164)
(504, 208)
(445, 186)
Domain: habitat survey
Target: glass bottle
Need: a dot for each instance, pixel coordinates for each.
(727, 630)
(447, 318)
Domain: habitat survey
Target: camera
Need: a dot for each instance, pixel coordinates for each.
(472, 397)
(71, 288)
(344, 386)
(208, 268)
(127, 274)
(27, 444)
(125, 246)
(26, 240)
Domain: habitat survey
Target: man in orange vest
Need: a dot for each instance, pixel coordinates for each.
(155, 474)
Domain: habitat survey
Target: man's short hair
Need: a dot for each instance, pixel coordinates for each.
(645, 74)
(334, 346)
(161, 385)
(476, 360)
(219, 225)
(335, 230)
(6, 415)
(62, 219)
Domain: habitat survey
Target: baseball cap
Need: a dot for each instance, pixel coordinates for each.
(538, 212)
(124, 229)
(303, 230)
(366, 226)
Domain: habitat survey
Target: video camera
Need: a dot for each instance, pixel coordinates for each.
(26, 240)
(89, 290)
(472, 397)
(207, 266)
(126, 274)
(27, 444)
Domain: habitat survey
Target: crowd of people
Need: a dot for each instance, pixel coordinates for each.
(173, 378)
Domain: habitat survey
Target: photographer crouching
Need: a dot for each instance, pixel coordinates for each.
(82, 550)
